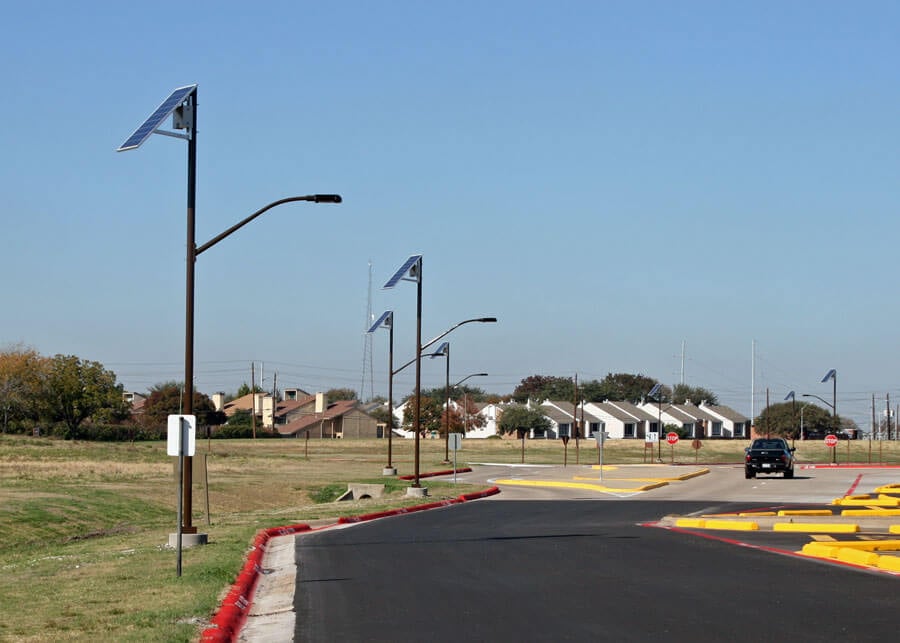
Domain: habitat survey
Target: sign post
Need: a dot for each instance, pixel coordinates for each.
(600, 436)
(181, 442)
(672, 439)
(454, 442)
(652, 437)
(831, 441)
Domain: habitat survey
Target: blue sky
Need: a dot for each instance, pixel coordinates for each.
(612, 180)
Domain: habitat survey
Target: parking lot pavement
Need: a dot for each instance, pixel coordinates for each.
(613, 479)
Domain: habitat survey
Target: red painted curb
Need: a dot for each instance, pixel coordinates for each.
(229, 619)
(232, 613)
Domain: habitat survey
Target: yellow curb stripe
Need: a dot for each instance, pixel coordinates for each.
(732, 525)
(867, 502)
(557, 484)
(870, 512)
(805, 512)
(816, 527)
(761, 514)
(868, 545)
(857, 557)
(691, 523)
(693, 474)
(894, 529)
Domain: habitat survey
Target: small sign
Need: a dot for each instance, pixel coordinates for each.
(600, 436)
(672, 438)
(831, 440)
(189, 435)
(652, 436)
(454, 441)
(565, 440)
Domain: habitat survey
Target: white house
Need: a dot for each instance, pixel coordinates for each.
(622, 420)
(728, 422)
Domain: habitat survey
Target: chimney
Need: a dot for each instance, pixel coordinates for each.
(320, 403)
(218, 400)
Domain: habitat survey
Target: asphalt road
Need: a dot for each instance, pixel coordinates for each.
(570, 570)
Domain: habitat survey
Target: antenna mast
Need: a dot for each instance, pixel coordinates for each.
(367, 368)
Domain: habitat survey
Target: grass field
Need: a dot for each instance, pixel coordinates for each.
(84, 525)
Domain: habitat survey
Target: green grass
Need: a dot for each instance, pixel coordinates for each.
(84, 525)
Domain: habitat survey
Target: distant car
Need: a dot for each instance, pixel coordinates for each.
(769, 455)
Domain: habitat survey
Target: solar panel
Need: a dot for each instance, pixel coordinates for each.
(789, 396)
(654, 391)
(387, 318)
(829, 375)
(404, 269)
(156, 119)
(441, 351)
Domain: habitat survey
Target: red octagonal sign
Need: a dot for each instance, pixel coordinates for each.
(831, 440)
(672, 438)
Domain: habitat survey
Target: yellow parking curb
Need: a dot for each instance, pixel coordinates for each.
(557, 484)
(819, 528)
(805, 512)
(732, 525)
(883, 501)
(857, 553)
(870, 512)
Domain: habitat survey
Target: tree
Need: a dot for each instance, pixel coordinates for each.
(335, 394)
(780, 420)
(20, 376)
(244, 389)
(429, 417)
(165, 399)
(75, 389)
(466, 416)
(620, 387)
(544, 387)
(682, 393)
(515, 417)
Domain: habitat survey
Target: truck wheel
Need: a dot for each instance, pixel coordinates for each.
(788, 473)
(749, 473)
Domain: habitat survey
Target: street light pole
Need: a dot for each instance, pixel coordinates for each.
(387, 321)
(466, 400)
(193, 251)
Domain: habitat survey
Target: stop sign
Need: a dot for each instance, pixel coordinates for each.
(672, 438)
(831, 440)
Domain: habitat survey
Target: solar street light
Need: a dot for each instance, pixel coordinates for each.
(387, 321)
(411, 270)
(182, 106)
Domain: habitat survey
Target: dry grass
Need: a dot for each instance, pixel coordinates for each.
(84, 525)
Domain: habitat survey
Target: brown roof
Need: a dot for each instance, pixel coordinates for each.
(335, 410)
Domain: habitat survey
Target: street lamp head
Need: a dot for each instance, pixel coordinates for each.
(325, 198)
(486, 319)
(386, 320)
(442, 351)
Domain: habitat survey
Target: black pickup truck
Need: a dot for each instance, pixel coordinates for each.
(769, 455)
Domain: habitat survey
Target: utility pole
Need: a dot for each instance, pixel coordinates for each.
(575, 417)
(253, 399)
